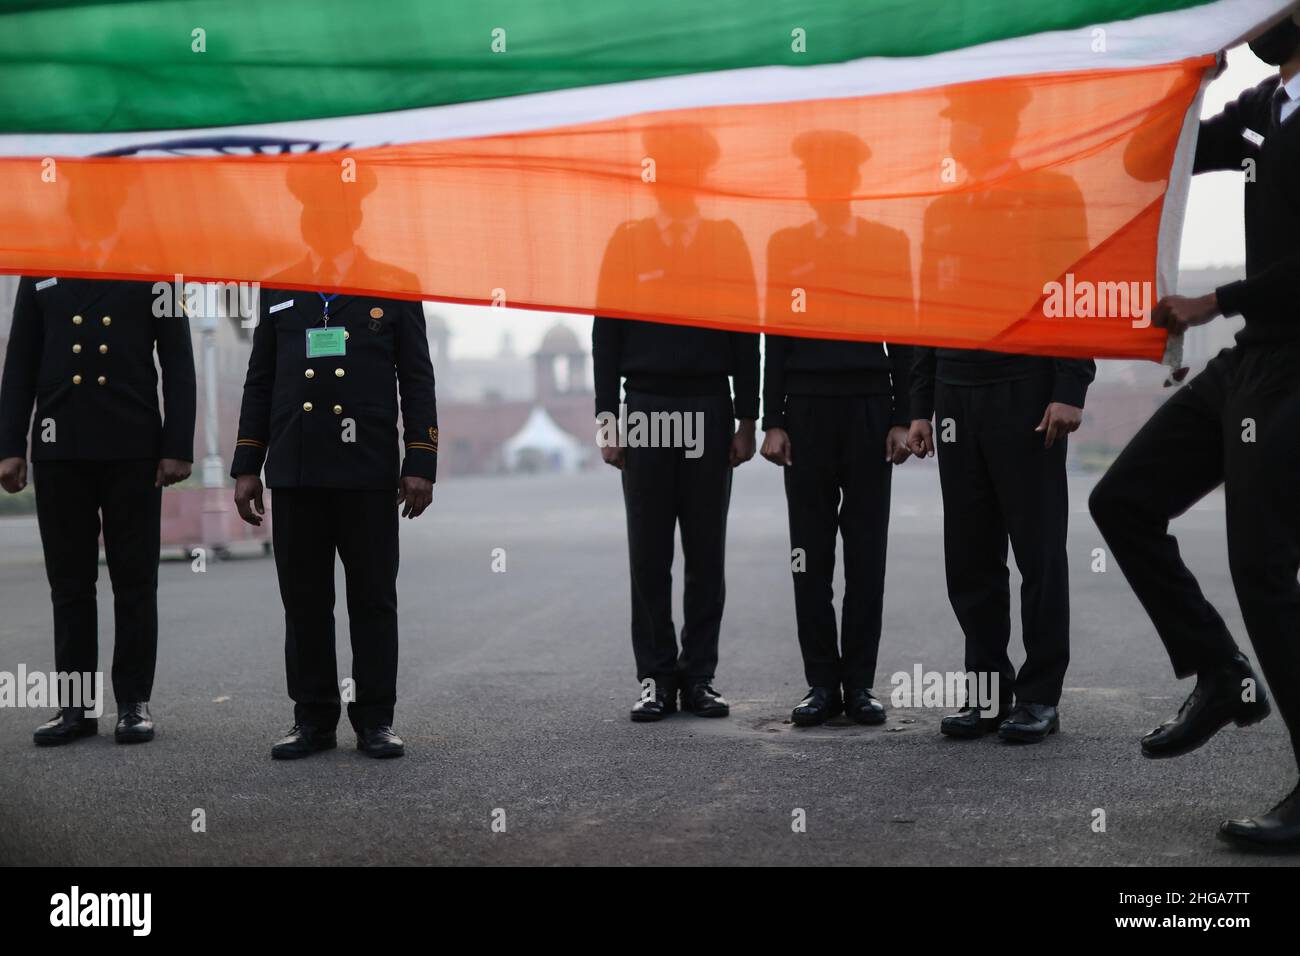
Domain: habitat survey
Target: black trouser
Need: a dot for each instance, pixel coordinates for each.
(1238, 422)
(308, 525)
(838, 481)
(71, 497)
(1000, 483)
(664, 489)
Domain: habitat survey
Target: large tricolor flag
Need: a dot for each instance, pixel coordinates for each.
(986, 173)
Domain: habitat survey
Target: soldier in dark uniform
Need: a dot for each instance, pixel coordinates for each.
(653, 266)
(320, 410)
(1235, 424)
(1003, 420)
(82, 351)
(836, 416)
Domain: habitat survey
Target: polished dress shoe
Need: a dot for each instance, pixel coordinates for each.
(134, 724)
(970, 722)
(1214, 703)
(819, 705)
(1030, 723)
(69, 724)
(663, 703)
(1277, 830)
(380, 742)
(703, 701)
(863, 706)
(303, 741)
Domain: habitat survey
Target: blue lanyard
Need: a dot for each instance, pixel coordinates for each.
(325, 304)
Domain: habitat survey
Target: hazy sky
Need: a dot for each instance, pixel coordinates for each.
(1212, 236)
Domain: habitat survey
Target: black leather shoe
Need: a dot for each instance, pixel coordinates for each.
(970, 722)
(303, 741)
(1277, 830)
(863, 706)
(380, 742)
(703, 701)
(134, 724)
(69, 724)
(819, 705)
(1030, 723)
(1214, 703)
(663, 703)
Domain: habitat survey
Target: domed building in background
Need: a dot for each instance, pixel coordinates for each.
(512, 413)
(560, 364)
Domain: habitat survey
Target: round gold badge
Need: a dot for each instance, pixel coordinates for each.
(376, 313)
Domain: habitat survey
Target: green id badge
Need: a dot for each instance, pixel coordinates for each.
(326, 342)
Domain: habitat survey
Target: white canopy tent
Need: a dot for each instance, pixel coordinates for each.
(542, 445)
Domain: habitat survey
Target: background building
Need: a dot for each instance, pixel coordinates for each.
(513, 413)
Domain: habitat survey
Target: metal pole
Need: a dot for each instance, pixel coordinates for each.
(213, 469)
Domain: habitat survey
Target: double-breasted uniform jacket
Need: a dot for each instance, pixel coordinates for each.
(331, 421)
(82, 352)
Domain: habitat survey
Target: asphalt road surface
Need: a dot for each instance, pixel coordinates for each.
(513, 697)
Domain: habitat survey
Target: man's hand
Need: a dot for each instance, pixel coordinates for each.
(170, 471)
(1178, 313)
(897, 449)
(613, 455)
(742, 443)
(13, 475)
(1058, 421)
(248, 499)
(416, 493)
(920, 438)
(776, 446)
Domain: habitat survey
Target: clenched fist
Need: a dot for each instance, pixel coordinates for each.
(1178, 313)
(613, 455)
(742, 443)
(170, 471)
(920, 438)
(13, 475)
(776, 446)
(897, 447)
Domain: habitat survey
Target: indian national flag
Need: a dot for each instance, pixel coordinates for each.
(1004, 174)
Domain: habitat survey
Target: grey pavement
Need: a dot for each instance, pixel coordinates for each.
(513, 696)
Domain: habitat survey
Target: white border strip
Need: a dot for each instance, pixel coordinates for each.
(1151, 40)
(1173, 213)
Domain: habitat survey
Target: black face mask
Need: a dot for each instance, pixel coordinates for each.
(1277, 44)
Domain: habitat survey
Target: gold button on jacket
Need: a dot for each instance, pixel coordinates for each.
(383, 380)
(144, 404)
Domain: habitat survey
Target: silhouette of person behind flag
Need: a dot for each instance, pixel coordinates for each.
(677, 265)
(988, 248)
(836, 416)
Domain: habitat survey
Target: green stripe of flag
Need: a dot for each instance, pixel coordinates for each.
(117, 65)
